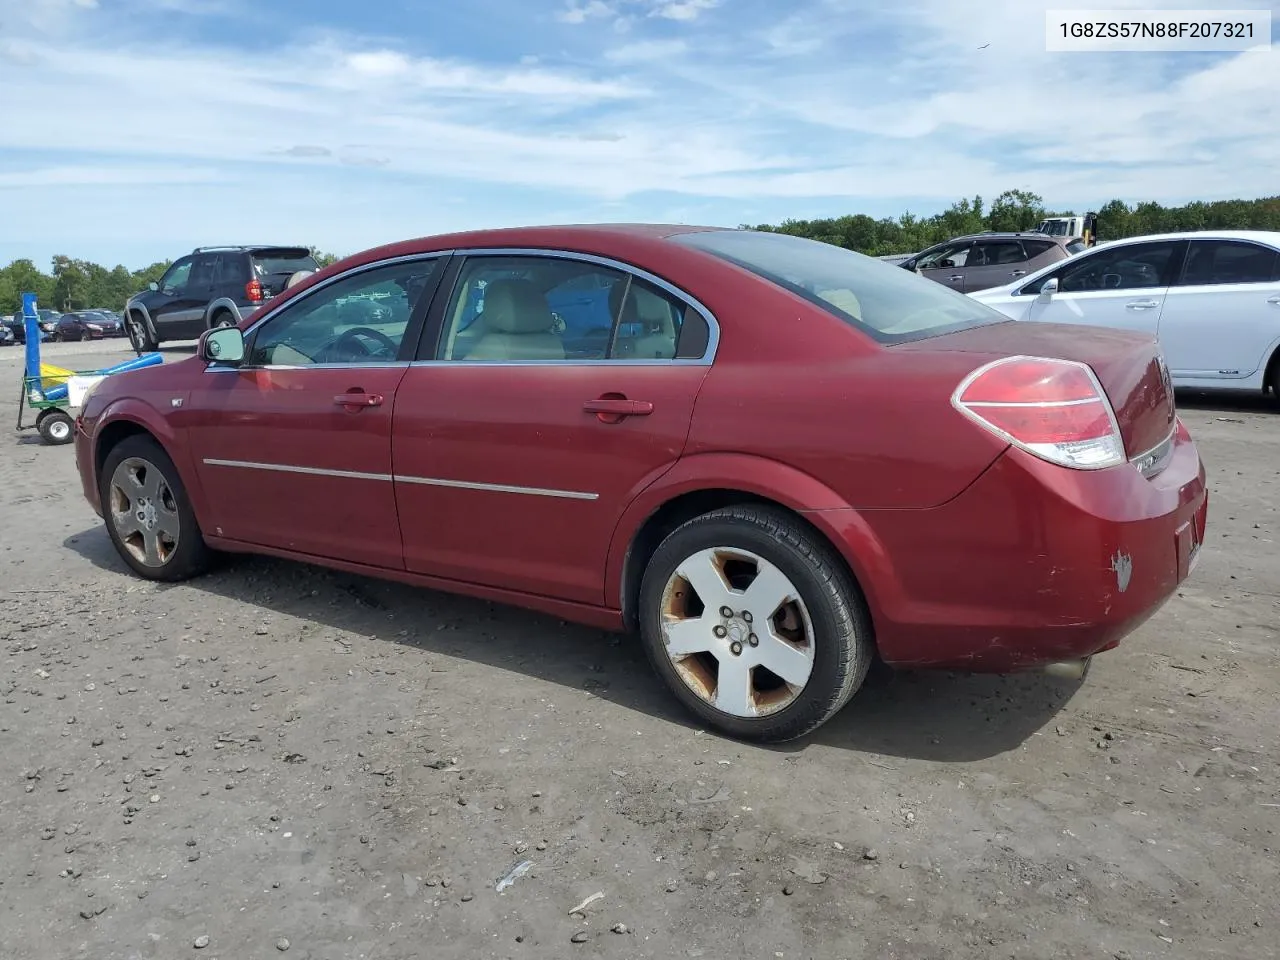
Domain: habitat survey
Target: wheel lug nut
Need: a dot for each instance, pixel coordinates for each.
(719, 631)
(736, 647)
(746, 615)
(726, 612)
(753, 640)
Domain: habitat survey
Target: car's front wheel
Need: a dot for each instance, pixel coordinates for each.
(139, 336)
(148, 513)
(754, 622)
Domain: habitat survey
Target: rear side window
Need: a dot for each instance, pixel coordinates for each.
(887, 303)
(1229, 261)
(1036, 247)
(995, 253)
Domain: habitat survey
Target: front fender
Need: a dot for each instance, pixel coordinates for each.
(815, 501)
(139, 413)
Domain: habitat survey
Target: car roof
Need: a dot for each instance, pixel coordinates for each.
(1271, 237)
(1010, 235)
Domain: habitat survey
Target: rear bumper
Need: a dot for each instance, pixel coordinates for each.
(1034, 563)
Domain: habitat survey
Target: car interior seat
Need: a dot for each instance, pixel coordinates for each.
(659, 336)
(517, 324)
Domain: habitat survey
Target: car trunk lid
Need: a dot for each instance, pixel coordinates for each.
(1129, 366)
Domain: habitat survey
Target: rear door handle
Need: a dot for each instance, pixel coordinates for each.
(957, 278)
(609, 408)
(358, 399)
(1142, 304)
(1018, 273)
(1275, 300)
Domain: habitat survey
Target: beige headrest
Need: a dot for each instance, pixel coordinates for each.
(515, 306)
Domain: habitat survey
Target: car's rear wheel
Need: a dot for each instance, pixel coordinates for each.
(148, 513)
(223, 318)
(754, 623)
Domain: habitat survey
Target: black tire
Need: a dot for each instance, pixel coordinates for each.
(190, 555)
(222, 318)
(86, 337)
(140, 337)
(56, 427)
(843, 647)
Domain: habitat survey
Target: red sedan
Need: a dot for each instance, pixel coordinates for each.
(773, 458)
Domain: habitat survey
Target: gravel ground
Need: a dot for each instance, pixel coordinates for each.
(278, 758)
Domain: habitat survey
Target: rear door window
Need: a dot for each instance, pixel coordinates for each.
(996, 253)
(1229, 261)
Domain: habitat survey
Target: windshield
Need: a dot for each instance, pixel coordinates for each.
(1054, 228)
(889, 304)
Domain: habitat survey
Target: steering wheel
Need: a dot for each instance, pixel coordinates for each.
(351, 337)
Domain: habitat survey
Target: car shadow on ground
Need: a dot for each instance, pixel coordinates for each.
(1226, 401)
(942, 717)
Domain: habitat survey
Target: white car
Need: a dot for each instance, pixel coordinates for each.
(1212, 299)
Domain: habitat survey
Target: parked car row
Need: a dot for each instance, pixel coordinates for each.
(55, 326)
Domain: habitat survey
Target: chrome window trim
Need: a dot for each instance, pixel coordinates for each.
(401, 478)
(688, 299)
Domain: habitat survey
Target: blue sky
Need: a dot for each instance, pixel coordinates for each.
(133, 130)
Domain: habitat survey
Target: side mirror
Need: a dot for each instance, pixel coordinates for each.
(153, 286)
(1048, 289)
(222, 345)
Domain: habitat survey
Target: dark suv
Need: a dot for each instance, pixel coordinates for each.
(213, 287)
(990, 259)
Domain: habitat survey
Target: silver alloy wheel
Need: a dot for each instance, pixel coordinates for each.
(737, 632)
(144, 511)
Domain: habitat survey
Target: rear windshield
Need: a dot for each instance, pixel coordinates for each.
(886, 302)
(287, 261)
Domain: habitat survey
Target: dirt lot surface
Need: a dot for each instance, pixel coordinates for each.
(278, 758)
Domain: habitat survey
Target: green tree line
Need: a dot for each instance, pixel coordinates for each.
(1022, 210)
(81, 284)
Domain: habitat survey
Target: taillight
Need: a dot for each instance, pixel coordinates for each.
(1054, 409)
(253, 290)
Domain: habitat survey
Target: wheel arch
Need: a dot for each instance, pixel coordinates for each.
(128, 418)
(709, 482)
(141, 309)
(221, 305)
(1271, 372)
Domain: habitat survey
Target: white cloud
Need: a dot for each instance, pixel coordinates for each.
(576, 12)
(683, 9)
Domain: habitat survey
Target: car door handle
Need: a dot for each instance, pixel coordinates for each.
(358, 399)
(619, 407)
(1142, 304)
(1275, 300)
(957, 278)
(1017, 273)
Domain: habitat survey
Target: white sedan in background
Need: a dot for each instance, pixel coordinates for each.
(1212, 299)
